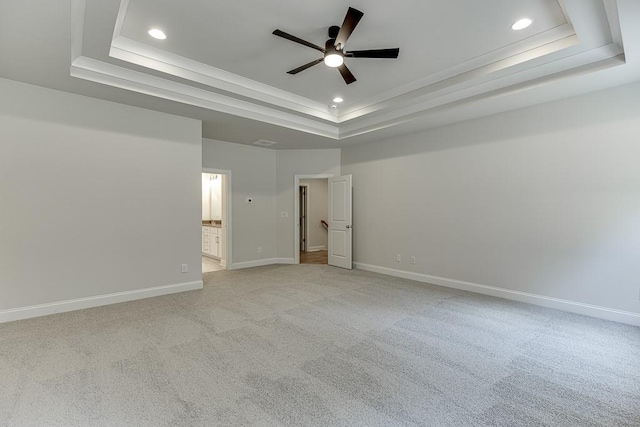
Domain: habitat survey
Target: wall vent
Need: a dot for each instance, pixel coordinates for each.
(264, 143)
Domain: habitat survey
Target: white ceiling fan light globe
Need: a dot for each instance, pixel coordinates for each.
(333, 60)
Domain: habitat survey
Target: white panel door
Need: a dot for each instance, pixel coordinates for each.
(340, 222)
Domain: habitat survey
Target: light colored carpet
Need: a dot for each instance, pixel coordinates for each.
(313, 345)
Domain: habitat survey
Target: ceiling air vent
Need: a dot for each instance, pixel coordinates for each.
(264, 143)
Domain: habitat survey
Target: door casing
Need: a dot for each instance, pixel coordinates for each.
(228, 209)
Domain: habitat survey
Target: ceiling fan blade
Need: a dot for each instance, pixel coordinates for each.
(374, 53)
(305, 66)
(350, 21)
(297, 40)
(346, 74)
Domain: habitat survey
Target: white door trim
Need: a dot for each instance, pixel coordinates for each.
(228, 210)
(306, 220)
(296, 210)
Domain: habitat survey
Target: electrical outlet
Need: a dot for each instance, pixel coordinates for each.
(413, 260)
(185, 268)
(398, 258)
(249, 200)
(259, 249)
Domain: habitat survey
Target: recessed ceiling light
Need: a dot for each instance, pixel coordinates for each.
(334, 106)
(337, 100)
(521, 24)
(157, 34)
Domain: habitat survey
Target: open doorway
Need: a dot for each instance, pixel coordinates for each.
(339, 221)
(216, 230)
(312, 220)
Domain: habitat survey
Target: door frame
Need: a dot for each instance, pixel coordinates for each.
(228, 209)
(296, 209)
(306, 218)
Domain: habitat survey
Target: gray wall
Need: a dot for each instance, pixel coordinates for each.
(289, 164)
(95, 197)
(544, 200)
(253, 174)
(317, 201)
(267, 176)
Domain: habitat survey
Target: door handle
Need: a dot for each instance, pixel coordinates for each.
(348, 226)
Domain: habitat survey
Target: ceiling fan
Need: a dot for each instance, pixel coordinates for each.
(333, 50)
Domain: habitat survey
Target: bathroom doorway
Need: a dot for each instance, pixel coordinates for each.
(216, 220)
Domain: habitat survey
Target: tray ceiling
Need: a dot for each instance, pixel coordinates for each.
(433, 37)
(459, 59)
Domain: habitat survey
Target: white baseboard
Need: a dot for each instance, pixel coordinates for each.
(261, 263)
(316, 248)
(557, 303)
(97, 301)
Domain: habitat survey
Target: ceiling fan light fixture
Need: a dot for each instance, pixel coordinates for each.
(333, 50)
(521, 24)
(157, 34)
(333, 60)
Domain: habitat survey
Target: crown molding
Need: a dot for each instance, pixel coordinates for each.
(177, 66)
(485, 92)
(124, 78)
(545, 43)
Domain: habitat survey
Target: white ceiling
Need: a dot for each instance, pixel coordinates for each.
(459, 59)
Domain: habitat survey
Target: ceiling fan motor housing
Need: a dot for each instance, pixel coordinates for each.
(333, 32)
(331, 48)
